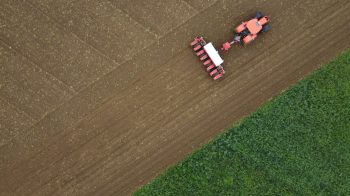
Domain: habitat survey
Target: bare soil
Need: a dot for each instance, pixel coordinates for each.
(98, 98)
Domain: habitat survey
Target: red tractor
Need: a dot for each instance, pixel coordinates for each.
(244, 34)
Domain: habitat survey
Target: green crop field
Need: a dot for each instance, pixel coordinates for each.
(297, 144)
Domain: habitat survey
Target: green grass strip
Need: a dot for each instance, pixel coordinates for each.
(297, 144)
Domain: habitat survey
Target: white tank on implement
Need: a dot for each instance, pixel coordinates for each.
(213, 54)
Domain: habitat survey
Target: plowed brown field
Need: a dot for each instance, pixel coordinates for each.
(99, 97)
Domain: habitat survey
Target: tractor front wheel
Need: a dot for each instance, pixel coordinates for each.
(259, 15)
(266, 28)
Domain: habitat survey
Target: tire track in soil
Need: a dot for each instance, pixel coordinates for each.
(72, 126)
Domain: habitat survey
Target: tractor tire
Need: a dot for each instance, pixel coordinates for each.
(259, 15)
(266, 28)
(245, 33)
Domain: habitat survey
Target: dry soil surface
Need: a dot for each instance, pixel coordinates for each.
(99, 97)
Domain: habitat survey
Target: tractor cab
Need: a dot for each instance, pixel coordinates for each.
(255, 25)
